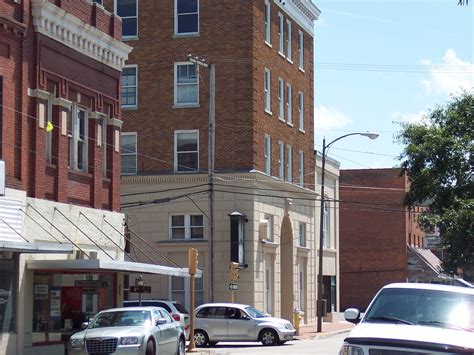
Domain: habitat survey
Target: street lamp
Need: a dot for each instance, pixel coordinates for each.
(319, 304)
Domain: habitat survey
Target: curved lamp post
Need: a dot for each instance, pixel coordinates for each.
(319, 304)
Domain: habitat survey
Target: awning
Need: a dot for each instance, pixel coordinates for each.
(36, 248)
(107, 265)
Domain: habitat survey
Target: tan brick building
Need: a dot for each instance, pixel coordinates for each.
(264, 199)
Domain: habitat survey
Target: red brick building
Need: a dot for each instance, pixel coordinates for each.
(262, 51)
(375, 232)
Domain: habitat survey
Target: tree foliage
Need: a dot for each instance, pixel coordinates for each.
(439, 161)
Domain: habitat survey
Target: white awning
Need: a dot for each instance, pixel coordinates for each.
(108, 265)
(36, 248)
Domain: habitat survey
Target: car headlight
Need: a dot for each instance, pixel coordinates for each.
(351, 350)
(129, 341)
(76, 342)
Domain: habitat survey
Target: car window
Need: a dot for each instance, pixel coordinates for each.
(217, 313)
(180, 307)
(255, 313)
(235, 313)
(203, 313)
(121, 319)
(166, 316)
(157, 314)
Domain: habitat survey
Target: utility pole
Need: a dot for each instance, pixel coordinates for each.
(210, 162)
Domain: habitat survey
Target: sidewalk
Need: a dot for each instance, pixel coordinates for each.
(308, 331)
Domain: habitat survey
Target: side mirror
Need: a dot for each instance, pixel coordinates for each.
(352, 315)
(161, 321)
(84, 325)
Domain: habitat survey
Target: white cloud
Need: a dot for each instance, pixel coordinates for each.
(450, 76)
(416, 117)
(326, 118)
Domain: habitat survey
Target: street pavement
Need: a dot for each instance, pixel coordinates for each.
(325, 344)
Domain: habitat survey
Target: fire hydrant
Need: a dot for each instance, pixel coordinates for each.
(297, 318)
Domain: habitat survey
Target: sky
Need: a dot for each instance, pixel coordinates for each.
(379, 63)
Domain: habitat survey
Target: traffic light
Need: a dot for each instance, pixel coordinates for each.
(234, 271)
(192, 261)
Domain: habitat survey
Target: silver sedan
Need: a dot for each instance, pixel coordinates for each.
(131, 330)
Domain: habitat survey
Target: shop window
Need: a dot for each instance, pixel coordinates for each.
(7, 296)
(62, 302)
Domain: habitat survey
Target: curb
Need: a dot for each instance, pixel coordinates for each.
(328, 334)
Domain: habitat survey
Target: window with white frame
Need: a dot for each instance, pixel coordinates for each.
(129, 86)
(77, 138)
(289, 104)
(267, 22)
(268, 154)
(288, 41)
(49, 131)
(267, 83)
(128, 11)
(326, 225)
(270, 228)
(280, 34)
(281, 160)
(180, 291)
(281, 99)
(186, 151)
(301, 169)
(289, 163)
(300, 50)
(301, 110)
(186, 84)
(302, 234)
(186, 17)
(186, 227)
(128, 153)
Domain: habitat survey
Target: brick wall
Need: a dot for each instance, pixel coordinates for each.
(373, 232)
(29, 60)
(232, 37)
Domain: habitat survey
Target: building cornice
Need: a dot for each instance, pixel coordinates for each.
(304, 12)
(53, 22)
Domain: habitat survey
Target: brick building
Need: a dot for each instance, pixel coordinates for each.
(262, 52)
(60, 72)
(380, 240)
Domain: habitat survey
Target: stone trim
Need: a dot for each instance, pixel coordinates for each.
(40, 94)
(115, 122)
(97, 115)
(59, 101)
(302, 12)
(55, 23)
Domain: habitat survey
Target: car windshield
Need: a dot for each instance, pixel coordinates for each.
(423, 307)
(121, 319)
(254, 313)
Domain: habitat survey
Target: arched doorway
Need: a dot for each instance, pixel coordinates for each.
(286, 267)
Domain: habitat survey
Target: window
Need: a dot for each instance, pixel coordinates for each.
(128, 11)
(180, 291)
(302, 289)
(128, 153)
(8, 285)
(186, 151)
(267, 83)
(268, 291)
(302, 234)
(267, 22)
(49, 132)
(268, 154)
(129, 86)
(77, 138)
(288, 104)
(301, 50)
(326, 225)
(270, 229)
(98, 2)
(1, 114)
(186, 88)
(103, 126)
(281, 99)
(186, 226)
(301, 110)
(280, 34)
(288, 40)
(301, 170)
(281, 160)
(289, 167)
(186, 19)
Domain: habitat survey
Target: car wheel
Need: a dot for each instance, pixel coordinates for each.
(200, 338)
(269, 337)
(213, 343)
(150, 348)
(181, 347)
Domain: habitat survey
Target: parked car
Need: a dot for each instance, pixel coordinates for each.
(216, 322)
(414, 318)
(174, 308)
(134, 330)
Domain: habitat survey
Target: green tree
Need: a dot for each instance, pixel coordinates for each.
(439, 161)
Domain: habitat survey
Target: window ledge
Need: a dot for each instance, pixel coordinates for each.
(129, 108)
(129, 38)
(268, 44)
(186, 106)
(302, 131)
(289, 60)
(282, 55)
(289, 124)
(282, 119)
(301, 70)
(269, 243)
(182, 241)
(186, 35)
(303, 249)
(268, 112)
